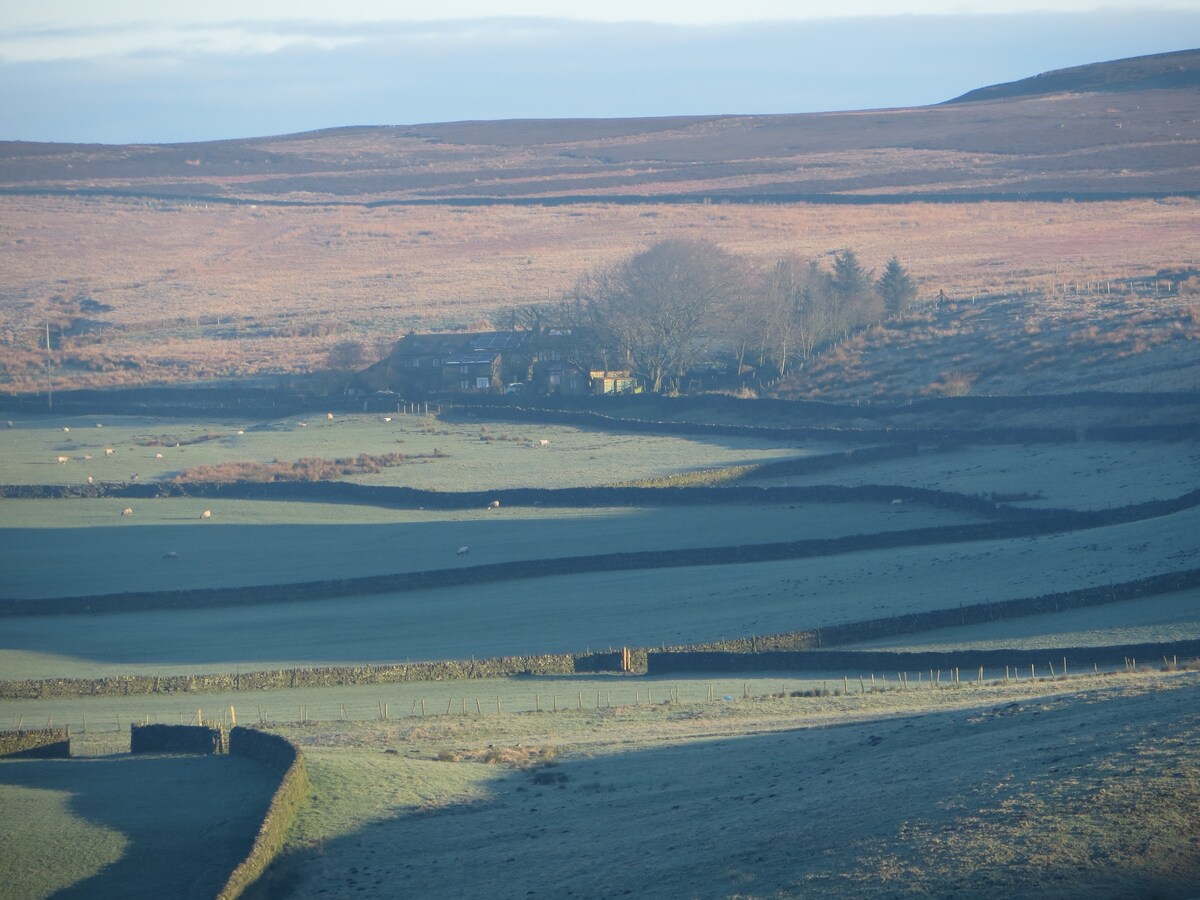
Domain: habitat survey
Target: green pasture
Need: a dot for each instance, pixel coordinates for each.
(59, 548)
(474, 455)
(100, 725)
(127, 826)
(568, 613)
(1156, 619)
(1084, 475)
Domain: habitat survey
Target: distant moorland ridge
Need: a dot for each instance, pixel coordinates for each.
(1111, 130)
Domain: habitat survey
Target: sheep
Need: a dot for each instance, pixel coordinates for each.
(109, 451)
(63, 459)
(127, 511)
(207, 514)
(158, 456)
(387, 418)
(329, 416)
(462, 551)
(495, 504)
(240, 432)
(303, 424)
(170, 554)
(99, 424)
(91, 480)
(543, 443)
(9, 424)
(66, 430)
(897, 502)
(133, 476)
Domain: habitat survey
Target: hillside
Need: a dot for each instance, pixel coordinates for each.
(254, 258)
(1120, 129)
(1171, 71)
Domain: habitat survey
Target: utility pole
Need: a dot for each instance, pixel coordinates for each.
(49, 382)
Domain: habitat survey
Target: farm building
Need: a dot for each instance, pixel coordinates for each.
(604, 382)
(547, 360)
(432, 363)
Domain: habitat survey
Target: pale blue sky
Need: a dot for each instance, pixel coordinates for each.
(133, 71)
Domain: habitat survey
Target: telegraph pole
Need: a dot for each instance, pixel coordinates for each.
(49, 382)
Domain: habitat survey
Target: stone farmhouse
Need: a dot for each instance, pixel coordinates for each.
(547, 361)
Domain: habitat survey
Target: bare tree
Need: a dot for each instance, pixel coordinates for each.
(658, 311)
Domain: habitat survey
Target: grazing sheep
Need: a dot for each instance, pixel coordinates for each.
(90, 480)
(66, 429)
(207, 514)
(109, 451)
(127, 511)
(170, 554)
(303, 424)
(99, 424)
(63, 459)
(329, 416)
(543, 443)
(387, 418)
(9, 424)
(495, 504)
(463, 551)
(240, 432)
(158, 456)
(897, 502)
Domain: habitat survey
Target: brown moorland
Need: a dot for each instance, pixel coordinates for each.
(241, 258)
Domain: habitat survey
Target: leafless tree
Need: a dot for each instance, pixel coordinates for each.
(658, 311)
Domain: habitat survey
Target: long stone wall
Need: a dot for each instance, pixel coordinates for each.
(287, 759)
(176, 739)
(1045, 661)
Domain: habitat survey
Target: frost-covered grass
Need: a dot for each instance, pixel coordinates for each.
(474, 455)
(127, 826)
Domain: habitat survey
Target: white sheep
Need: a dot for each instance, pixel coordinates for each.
(240, 432)
(387, 418)
(63, 459)
(463, 551)
(133, 476)
(170, 554)
(109, 451)
(66, 429)
(158, 456)
(127, 511)
(897, 502)
(91, 480)
(207, 514)
(329, 416)
(495, 504)
(303, 424)
(543, 443)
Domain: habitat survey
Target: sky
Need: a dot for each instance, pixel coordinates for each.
(155, 71)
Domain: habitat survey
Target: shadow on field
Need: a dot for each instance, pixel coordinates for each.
(974, 803)
(188, 820)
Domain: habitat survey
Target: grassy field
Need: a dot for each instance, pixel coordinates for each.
(127, 826)
(573, 785)
(626, 608)
(575, 457)
(1055, 789)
